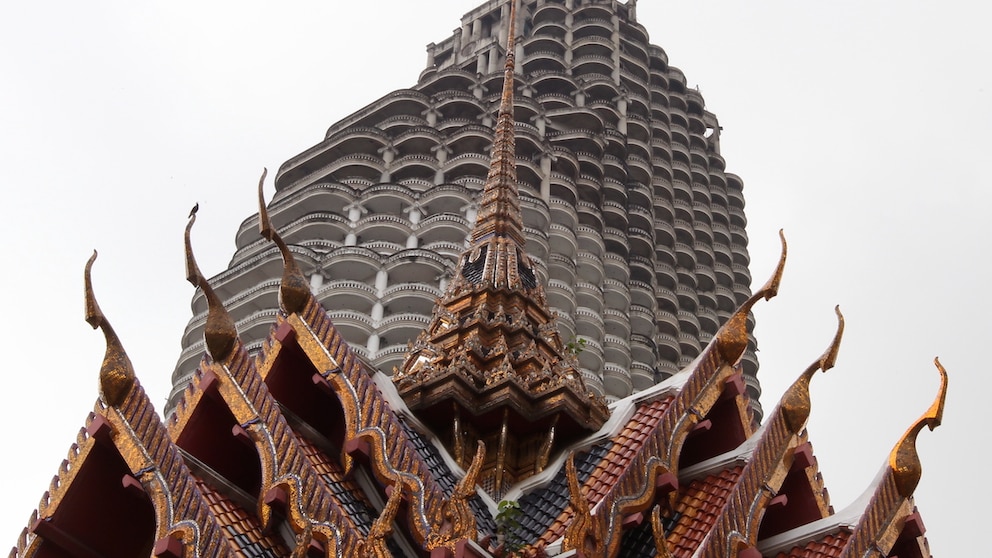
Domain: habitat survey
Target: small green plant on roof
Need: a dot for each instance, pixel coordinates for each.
(575, 345)
(507, 523)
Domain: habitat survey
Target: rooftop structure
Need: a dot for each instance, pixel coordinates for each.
(631, 221)
(305, 450)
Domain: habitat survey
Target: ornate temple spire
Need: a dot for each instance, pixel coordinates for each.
(499, 212)
(491, 365)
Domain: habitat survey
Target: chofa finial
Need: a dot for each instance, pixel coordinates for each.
(220, 333)
(294, 291)
(116, 373)
(795, 406)
(904, 461)
(732, 338)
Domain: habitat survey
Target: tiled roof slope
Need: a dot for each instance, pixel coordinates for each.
(699, 506)
(621, 475)
(830, 546)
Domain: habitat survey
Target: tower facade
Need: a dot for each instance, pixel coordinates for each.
(629, 215)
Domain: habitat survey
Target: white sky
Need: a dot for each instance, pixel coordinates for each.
(858, 127)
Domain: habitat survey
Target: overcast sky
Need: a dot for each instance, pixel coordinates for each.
(861, 128)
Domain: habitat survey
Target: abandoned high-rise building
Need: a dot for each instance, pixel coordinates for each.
(629, 214)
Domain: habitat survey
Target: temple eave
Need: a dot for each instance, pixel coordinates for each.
(563, 401)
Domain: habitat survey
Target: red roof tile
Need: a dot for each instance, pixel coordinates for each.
(699, 505)
(241, 528)
(830, 546)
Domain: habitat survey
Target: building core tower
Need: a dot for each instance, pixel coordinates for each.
(630, 217)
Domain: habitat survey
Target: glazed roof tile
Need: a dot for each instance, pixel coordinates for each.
(639, 541)
(617, 454)
(830, 546)
(542, 509)
(344, 489)
(699, 505)
(625, 446)
(241, 528)
(446, 479)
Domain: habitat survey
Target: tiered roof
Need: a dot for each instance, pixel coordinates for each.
(304, 450)
(492, 365)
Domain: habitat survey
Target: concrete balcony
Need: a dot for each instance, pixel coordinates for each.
(561, 295)
(642, 349)
(589, 296)
(616, 323)
(589, 267)
(641, 320)
(667, 321)
(616, 350)
(665, 275)
(589, 324)
(668, 347)
(616, 294)
(616, 380)
(689, 323)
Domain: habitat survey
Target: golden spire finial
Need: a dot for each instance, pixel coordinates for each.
(116, 373)
(732, 337)
(294, 291)
(584, 533)
(219, 333)
(904, 460)
(457, 520)
(499, 211)
(796, 405)
(658, 529)
(374, 545)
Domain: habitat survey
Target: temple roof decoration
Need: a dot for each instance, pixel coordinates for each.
(116, 373)
(732, 338)
(890, 524)
(294, 290)
(492, 359)
(305, 450)
(904, 461)
(769, 465)
(220, 333)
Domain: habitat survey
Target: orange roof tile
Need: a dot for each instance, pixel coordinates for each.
(829, 547)
(699, 504)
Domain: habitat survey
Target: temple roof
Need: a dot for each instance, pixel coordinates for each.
(304, 450)
(343, 463)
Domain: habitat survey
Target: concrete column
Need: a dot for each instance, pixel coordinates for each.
(471, 212)
(495, 60)
(373, 344)
(541, 123)
(546, 177)
(355, 212)
(381, 282)
(456, 48)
